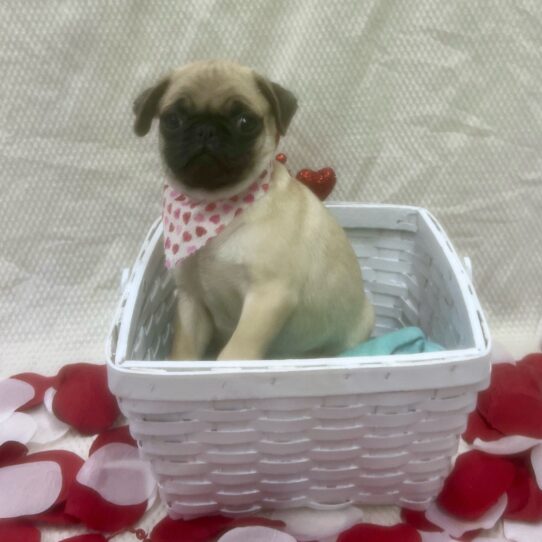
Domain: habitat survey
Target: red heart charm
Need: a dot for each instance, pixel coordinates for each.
(321, 182)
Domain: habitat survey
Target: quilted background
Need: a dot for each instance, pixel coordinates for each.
(431, 103)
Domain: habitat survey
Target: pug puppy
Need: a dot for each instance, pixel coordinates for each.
(278, 280)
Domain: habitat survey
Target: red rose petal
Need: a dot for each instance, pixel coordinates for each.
(40, 384)
(69, 462)
(96, 513)
(54, 516)
(92, 537)
(83, 399)
(475, 484)
(533, 364)
(524, 498)
(194, 530)
(19, 532)
(11, 451)
(13, 395)
(477, 427)
(513, 402)
(366, 532)
(115, 434)
(419, 521)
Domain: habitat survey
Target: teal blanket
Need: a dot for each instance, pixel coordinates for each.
(409, 340)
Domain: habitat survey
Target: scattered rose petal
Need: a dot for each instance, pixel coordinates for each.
(510, 445)
(431, 536)
(194, 530)
(29, 488)
(513, 402)
(476, 483)
(54, 516)
(252, 521)
(118, 475)
(516, 531)
(13, 395)
(69, 463)
(49, 427)
(83, 399)
(152, 499)
(418, 520)
(11, 451)
(524, 498)
(92, 537)
(367, 532)
(457, 527)
(19, 427)
(536, 462)
(308, 524)
(19, 532)
(255, 534)
(477, 427)
(48, 397)
(533, 363)
(39, 383)
(115, 434)
(96, 513)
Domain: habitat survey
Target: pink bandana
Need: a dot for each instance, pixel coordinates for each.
(189, 225)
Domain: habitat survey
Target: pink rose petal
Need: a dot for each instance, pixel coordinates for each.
(536, 462)
(255, 534)
(116, 472)
(507, 445)
(19, 427)
(457, 527)
(49, 427)
(516, 531)
(431, 536)
(307, 524)
(29, 488)
(48, 397)
(40, 383)
(13, 395)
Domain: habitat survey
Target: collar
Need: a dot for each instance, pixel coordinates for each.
(190, 224)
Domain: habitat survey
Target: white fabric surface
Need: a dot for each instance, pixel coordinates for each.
(431, 103)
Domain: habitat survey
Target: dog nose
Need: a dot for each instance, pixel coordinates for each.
(206, 134)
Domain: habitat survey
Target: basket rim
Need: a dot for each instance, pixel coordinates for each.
(481, 336)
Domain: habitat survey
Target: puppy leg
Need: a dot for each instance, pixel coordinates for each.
(265, 310)
(193, 329)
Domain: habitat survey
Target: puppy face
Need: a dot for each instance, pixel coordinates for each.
(219, 124)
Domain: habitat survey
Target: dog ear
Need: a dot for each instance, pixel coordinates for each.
(145, 106)
(283, 103)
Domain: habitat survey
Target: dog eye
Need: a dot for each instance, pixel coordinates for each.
(246, 123)
(171, 121)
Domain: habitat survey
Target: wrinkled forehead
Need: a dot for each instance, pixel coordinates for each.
(214, 88)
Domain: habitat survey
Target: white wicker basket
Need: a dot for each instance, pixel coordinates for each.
(237, 437)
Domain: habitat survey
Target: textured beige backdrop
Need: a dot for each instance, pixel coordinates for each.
(431, 103)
